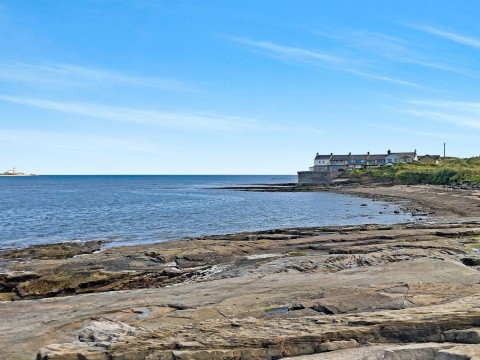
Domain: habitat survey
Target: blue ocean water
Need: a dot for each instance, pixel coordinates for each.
(145, 209)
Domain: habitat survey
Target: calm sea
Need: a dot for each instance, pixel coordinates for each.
(146, 209)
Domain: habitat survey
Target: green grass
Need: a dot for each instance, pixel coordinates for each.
(448, 171)
(470, 248)
(273, 307)
(296, 253)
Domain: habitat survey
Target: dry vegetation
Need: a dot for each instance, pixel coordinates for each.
(448, 171)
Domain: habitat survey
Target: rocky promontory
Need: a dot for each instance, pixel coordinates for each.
(407, 291)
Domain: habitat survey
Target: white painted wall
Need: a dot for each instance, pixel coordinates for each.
(322, 162)
(392, 159)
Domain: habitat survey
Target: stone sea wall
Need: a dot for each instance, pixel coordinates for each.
(315, 177)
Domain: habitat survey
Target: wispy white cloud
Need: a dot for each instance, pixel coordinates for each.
(76, 142)
(372, 42)
(64, 75)
(461, 114)
(290, 53)
(462, 120)
(305, 56)
(173, 120)
(447, 104)
(443, 67)
(460, 39)
(417, 132)
(373, 47)
(385, 78)
(138, 116)
(402, 51)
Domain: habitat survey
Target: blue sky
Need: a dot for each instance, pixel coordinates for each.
(233, 87)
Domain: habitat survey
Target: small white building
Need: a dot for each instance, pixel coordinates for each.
(322, 160)
(403, 157)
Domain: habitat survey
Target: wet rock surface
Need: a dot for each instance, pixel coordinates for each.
(358, 292)
(53, 251)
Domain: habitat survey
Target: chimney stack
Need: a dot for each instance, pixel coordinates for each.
(389, 152)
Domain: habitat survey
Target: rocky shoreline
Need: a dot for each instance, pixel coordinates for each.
(407, 291)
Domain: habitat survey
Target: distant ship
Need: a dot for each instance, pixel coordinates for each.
(14, 172)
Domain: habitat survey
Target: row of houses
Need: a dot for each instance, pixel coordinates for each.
(336, 163)
(328, 167)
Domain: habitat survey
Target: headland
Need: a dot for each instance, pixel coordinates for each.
(406, 291)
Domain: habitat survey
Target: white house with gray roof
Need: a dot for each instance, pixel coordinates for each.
(402, 157)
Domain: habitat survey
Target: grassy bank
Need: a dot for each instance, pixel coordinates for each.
(448, 171)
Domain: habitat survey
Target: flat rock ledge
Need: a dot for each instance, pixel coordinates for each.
(441, 332)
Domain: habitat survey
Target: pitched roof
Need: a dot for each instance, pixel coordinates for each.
(339, 157)
(321, 157)
(377, 157)
(402, 154)
(436, 157)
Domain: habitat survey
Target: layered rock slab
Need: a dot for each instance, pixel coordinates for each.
(268, 338)
(228, 315)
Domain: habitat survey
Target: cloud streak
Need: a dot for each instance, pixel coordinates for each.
(65, 75)
(76, 142)
(290, 53)
(372, 42)
(385, 78)
(458, 113)
(398, 50)
(137, 116)
(172, 120)
(457, 38)
(305, 56)
(418, 132)
(374, 48)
